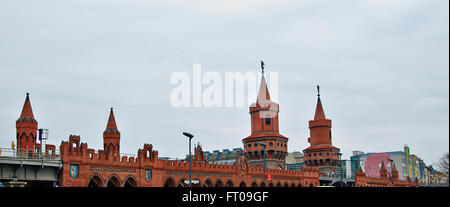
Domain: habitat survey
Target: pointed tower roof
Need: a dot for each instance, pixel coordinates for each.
(382, 165)
(263, 93)
(320, 115)
(111, 126)
(394, 168)
(27, 111)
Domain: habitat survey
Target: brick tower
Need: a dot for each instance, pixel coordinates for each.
(264, 119)
(321, 152)
(111, 136)
(26, 127)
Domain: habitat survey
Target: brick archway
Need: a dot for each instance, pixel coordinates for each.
(219, 183)
(130, 182)
(242, 184)
(95, 180)
(254, 184)
(181, 183)
(207, 183)
(113, 181)
(229, 184)
(169, 182)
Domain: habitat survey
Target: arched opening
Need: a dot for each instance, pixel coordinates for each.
(262, 184)
(286, 185)
(278, 184)
(229, 184)
(169, 183)
(311, 185)
(181, 183)
(299, 185)
(113, 182)
(130, 183)
(219, 183)
(207, 183)
(242, 184)
(95, 181)
(293, 185)
(254, 184)
(271, 184)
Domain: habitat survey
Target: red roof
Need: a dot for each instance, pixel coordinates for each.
(27, 112)
(263, 94)
(320, 115)
(111, 126)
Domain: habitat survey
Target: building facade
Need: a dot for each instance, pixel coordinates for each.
(226, 157)
(408, 166)
(295, 161)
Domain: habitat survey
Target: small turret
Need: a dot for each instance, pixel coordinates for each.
(111, 136)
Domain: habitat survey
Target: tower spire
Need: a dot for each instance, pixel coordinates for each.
(263, 93)
(320, 114)
(26, 127)
(111, 136)
(111, 126)
(27, 111)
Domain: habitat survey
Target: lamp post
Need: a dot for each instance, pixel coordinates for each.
(190, 136)
(264, 155)
(392, 171)
(340, 167)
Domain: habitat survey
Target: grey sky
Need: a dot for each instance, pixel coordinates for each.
(382, 66)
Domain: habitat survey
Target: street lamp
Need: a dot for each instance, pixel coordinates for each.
(392, 170)
(190, 136)
(265, 176)
(340, 167)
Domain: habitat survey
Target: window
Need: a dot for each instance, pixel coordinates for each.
(330, 134)
(249, 145)
(267, 119)
(270, 143)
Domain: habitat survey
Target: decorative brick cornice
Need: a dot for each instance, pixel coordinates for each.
(113, 169)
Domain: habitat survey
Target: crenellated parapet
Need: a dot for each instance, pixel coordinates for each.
(362, 180)
(74, 151)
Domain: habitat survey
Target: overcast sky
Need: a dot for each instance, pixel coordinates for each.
(382, 66)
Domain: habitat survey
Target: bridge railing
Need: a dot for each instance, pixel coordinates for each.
(29, 154)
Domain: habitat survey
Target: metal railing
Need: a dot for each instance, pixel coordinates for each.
(29, 154)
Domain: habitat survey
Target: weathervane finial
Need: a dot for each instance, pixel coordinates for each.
(262, 66)
(318, 90)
